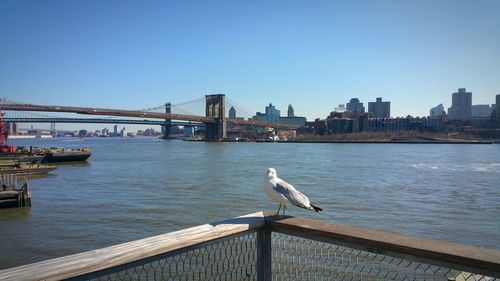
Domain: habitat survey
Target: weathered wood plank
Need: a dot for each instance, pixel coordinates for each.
(485, 260)
(82, 263)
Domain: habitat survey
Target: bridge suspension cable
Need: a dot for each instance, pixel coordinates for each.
(245, 113)
(179, 107)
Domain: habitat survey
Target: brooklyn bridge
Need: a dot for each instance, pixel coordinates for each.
(214, 119)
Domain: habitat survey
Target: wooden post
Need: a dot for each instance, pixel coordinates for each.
(264, 261)
(26, 195)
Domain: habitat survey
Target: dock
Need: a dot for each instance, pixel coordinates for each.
(12, 196)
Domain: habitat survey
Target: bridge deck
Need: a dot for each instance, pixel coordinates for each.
(137, 113)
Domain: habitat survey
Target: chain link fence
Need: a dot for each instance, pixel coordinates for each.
(233, 259)
(296, 258)
(297, 249)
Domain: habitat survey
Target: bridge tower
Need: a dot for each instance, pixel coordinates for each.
(216, 108)
(168, 122)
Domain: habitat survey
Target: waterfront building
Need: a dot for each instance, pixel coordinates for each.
(115, 131)
(437, 111)
(409, 123)
(232, 113)
(340, 126)
(294, 120)
(461, 105)
(497, 109)
(291, 112)
(13, 129)
(316, 127)
(481, 111)
(355, 106)
(380, 109)
(336, 123)
(123, 132)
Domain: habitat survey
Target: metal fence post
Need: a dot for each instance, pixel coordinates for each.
(264, 254)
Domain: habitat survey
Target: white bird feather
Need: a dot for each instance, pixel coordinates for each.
(284, 193)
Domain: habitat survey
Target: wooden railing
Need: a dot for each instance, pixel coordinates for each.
(264, 247)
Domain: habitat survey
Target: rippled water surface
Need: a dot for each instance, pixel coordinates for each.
(134, 188)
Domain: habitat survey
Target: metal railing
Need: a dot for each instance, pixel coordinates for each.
(260, 247)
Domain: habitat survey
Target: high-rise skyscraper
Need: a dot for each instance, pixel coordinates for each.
(272, 114)
(437, 111)
(355, 106)
(291, 112)
(232, 113)
(380, 109)
(461, 105)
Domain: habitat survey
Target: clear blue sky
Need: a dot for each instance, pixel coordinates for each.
(311, 54)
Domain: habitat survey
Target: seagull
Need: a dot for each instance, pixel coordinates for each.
(283, 193)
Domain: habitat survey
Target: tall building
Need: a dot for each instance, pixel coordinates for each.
(115, 131)
(461, 105)
(291, 112)
(272, 114)
(379, 108)
(232, 113)
(12, 128)
(355, 106)
(437, 111)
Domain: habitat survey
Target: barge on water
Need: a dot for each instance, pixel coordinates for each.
(56, 154)
(34, 155)
(19, 168)
(38, 154)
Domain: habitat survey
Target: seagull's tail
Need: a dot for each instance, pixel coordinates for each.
(316, 209)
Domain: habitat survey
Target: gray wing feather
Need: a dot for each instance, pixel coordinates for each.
(294, 196)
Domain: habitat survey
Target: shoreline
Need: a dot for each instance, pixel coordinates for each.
(388, 141)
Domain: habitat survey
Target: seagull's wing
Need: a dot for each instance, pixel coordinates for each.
(293, 195)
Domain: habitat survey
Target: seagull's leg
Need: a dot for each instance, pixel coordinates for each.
(284, 207)
(278, 210)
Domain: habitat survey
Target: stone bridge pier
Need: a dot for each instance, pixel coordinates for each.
(168, 122)
(215, 108)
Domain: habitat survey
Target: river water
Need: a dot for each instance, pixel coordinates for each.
(139, 187)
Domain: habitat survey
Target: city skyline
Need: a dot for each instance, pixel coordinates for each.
(480, 110)
(312, 55)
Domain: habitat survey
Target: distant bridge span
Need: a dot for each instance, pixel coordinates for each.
(98, 121)
(105, 112)
(137, 113)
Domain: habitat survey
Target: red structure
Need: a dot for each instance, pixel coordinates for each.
(4, 133)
